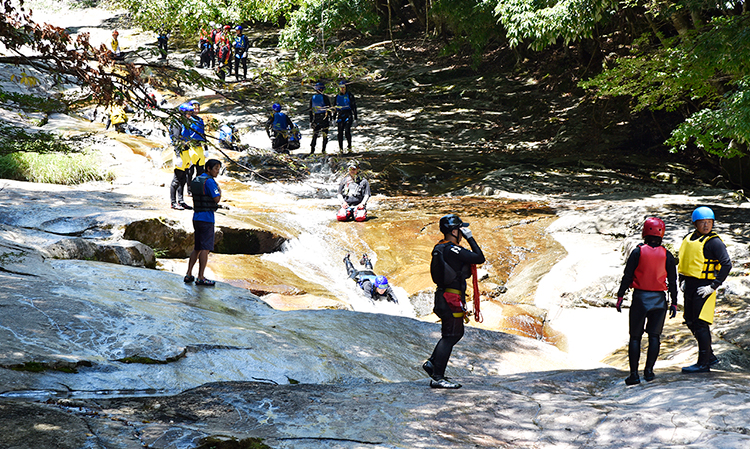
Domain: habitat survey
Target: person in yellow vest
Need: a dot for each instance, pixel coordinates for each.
(116, 50)
(181, 160)
(118, 118)
(703, 265)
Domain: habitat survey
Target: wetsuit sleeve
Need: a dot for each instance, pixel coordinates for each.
(341, 189)
(353, 105)
(312, 115)
(269, 122)
(630, 266)
(366, 188)
(715, 249)
(367, 288)
(390, 295)
(289, 123)
(672, 277)
(467, 257)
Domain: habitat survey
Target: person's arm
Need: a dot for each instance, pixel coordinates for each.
(312, 113)
(628, 274)
(366, 188)
(213, 189)
(367, 288)
(353, 105)
(473, 256)
(390, 295)
(340, 195)
(671, 277)
(715, 249)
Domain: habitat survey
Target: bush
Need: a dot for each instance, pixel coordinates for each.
(53, 168)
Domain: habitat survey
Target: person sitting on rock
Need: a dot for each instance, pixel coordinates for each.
(650, 271)
(375, 287)
(353, 193)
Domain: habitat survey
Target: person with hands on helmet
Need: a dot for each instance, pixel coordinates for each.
(353, 193)
(450, 267)
(320, 106)
(375, 287)
(704, 265)
(650, 271)
(240, 52)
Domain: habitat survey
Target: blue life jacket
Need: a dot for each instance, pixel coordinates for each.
(196, 131)
(368, 276)
(279, 121)
(240, 45)
(343, 103)
(318, 104)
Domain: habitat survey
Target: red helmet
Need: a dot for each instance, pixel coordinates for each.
(653, 226)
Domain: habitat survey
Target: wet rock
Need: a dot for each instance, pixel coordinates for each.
(168, 237)
(124, 252)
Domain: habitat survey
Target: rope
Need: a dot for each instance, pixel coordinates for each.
(475, 283)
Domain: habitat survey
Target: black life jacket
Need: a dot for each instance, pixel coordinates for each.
(202, 202)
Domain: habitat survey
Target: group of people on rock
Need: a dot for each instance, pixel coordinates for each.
(703, 265)
(285, 135)
(223, 48)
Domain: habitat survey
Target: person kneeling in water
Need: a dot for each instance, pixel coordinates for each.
(375, 287)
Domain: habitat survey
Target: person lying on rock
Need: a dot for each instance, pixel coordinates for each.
(650, 271)
(375, 287)
(704, 265)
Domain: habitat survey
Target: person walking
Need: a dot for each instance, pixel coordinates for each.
(704, 265)
(449, 268)
(650, 271)
(206, 197)
(345, 110)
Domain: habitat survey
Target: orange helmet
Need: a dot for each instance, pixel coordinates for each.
(653, 226)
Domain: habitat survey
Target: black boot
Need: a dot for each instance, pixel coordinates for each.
(651, 356)
(634, 354)
(701, 367)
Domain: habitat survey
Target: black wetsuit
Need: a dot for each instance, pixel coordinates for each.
(452, 328)
(714, 249)
(346, 113)
(319, 121)
(648, 308)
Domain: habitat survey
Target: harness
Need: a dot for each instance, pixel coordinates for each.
(202, 201)
(693, 262)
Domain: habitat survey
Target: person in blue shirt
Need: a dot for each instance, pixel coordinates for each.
(206, 197)
(320, 105)
(345, 115)
(240, 53)
(162, 40)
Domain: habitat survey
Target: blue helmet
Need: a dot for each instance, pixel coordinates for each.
(381, 282)
(276, 107)
(185, 107)
(238, 28)
(319, 86)
(703, 213)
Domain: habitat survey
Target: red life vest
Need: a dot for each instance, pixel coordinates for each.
(651, 272)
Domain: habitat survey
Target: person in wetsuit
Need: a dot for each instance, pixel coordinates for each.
(320, 106)
(353, 194)
(704, 265)
(345, 113)
(375, 287)
(650, 271)
(450, 267)
(282, 127)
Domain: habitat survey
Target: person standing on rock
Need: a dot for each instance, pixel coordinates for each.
(181, 160)
(320, 106)
(353, 193)
(194, 133)
(450, 267)
(704, 265)
(650, 271)
(241, 45)
(115, 45)
(162, 40)
(345, 110)
(206, 197)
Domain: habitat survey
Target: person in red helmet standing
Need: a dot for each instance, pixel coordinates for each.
(650, 271)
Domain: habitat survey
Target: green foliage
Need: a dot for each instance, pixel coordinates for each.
(709, 68)
(470, 21)
(14, 139)
(316, 21)
(55, 168)
(542, 22)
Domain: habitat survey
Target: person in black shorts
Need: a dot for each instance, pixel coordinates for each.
(206, 197)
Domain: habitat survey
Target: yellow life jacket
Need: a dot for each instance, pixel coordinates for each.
(692, 262)
(117, 115)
